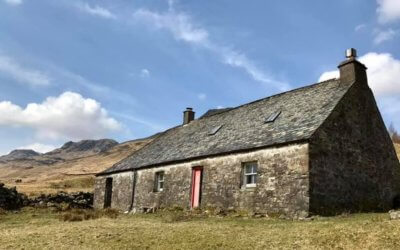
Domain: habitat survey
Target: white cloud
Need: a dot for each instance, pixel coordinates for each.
(96, 11)
(145, 73)
(385, 35)
(181, 26)
(68, 116)
(202, 96)
(13, 2)
(10, 67)
(39, 147)
(383, 73)
(388, 10)
(328, 75)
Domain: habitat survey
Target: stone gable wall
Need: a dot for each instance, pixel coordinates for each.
(282, 184)
(353, 165)
(121, 192)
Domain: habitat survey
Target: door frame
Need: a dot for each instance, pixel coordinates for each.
(108, 190)
(192, 188)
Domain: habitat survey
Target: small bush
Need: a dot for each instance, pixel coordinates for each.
(72, 217)
(109, 213)
(88, 214)
(171, 217)
(2, 211)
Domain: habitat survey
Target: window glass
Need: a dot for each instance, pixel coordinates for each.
(250, 174)
(159, 181)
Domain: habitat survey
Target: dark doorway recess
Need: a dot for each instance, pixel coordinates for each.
(396, 202)
(108, 193)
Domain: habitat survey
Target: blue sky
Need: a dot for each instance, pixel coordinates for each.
(72, 70)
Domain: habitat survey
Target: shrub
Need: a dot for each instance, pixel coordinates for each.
(394, 134)
(88, 214)
(171, 217)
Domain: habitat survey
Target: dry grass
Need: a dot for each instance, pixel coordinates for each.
(38, 229)
(397, 147)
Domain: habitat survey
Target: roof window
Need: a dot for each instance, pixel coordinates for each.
(272, 117)
(215, 130)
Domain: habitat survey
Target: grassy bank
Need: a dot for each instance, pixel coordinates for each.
(41, 229)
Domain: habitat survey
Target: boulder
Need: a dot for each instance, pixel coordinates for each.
(10, 199)
(394, 214)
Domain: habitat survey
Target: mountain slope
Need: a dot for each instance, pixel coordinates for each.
(19, 154)
(69, 168)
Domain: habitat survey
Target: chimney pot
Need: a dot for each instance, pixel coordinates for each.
(188, 115)
(351, 53)
(351, 69)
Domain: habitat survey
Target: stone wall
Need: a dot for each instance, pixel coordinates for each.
(353, 165)
(122, 188)
(282, 184)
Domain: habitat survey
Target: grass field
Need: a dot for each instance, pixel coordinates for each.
(41, 229)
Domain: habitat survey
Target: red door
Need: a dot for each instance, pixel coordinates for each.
(196, 186)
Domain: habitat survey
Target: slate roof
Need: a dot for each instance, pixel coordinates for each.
(302, 110)
(211, 112)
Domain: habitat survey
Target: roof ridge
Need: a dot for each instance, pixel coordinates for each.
(275, 95)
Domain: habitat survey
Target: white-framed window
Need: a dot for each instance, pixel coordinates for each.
(249, 174)
(159, 182)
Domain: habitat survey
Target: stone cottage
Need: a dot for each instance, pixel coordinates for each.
(320, 149)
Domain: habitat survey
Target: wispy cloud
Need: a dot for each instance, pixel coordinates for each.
(96, 11)
(13, 2)
(183, 28)
(202, 96)
(384, 35)
(152, 125)
(144, 73)
(360, 27)
(12, 68)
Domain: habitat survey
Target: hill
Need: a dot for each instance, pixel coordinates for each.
(70, 168)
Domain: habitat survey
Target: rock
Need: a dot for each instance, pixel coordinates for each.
(394, 214)
(10, 199)
(73, 200)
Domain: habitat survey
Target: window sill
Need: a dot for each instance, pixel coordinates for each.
(249, 188)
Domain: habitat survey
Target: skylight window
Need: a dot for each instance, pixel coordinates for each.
(215, 130)
(272, 117)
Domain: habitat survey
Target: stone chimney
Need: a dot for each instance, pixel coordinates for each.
(352, 70)
(188, 115)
